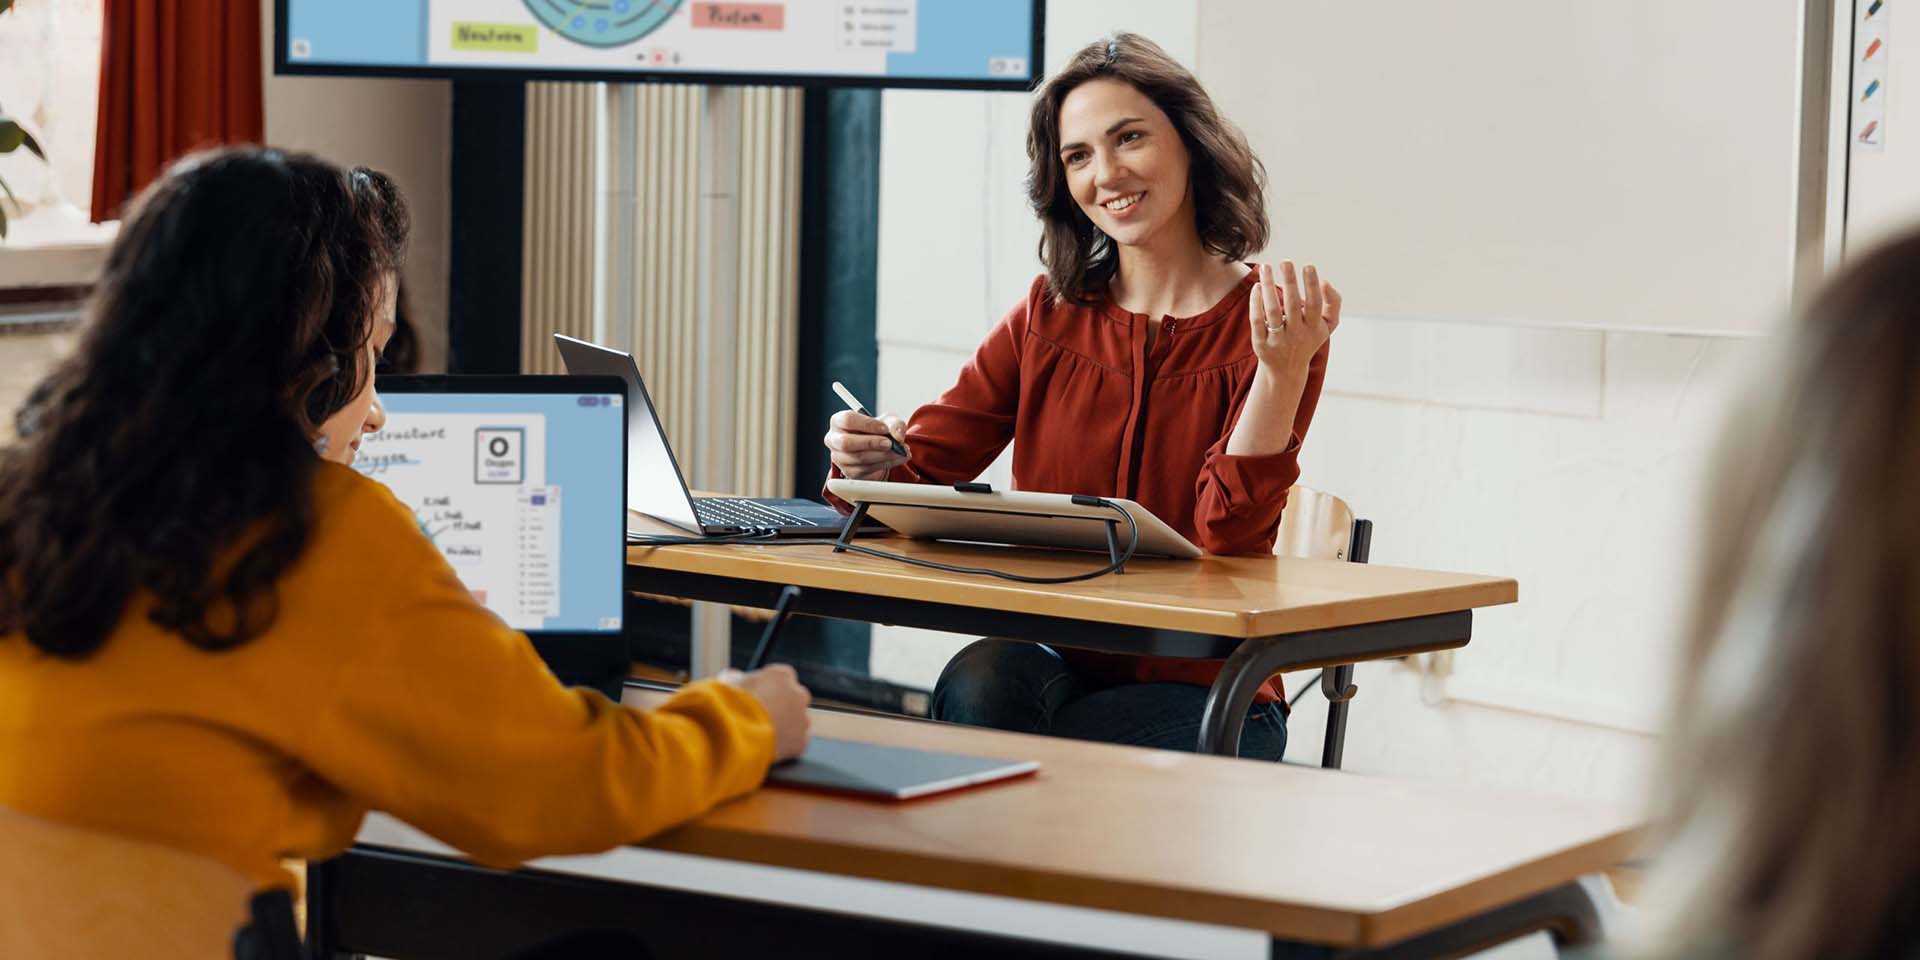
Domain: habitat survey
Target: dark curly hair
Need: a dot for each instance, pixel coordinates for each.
(1229, 182)
(173, 451)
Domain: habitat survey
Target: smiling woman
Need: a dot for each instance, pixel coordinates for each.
(1148, 362)
(1164, 123)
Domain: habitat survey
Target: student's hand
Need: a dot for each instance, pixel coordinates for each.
(778, 689)
(1288, 326)
(859, 447)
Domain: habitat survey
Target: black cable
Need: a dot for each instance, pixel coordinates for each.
(1132, 542)
(1303, 690)
(767, 537)
(667, 539)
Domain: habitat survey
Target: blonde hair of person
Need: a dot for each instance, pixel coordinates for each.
(1792, 804)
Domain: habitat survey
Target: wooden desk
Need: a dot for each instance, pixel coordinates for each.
(1304, 856)
(1262, 615)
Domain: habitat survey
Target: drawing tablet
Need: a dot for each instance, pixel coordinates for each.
(892, 773)
(1012, 516)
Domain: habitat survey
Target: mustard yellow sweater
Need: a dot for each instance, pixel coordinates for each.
(381, 685)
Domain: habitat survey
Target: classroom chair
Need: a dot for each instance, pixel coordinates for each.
(1320, 526)
(71, 892)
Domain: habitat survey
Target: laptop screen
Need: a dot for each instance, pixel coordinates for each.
(522, 491)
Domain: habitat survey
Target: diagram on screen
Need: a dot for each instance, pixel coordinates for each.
(815, 37)
(891, 42)
(604, 23)
(478, 489)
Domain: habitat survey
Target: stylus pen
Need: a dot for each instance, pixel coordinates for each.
(781, 607)
(860, 408)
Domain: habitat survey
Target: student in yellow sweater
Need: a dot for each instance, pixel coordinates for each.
(215, 635)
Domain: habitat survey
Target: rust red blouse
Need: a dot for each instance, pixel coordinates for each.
(1096, 411)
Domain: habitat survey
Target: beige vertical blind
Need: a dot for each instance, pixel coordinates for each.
(557, 252)
(666, 223)
(769, 291)
(562, 142)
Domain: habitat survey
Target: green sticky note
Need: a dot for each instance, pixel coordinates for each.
(495, 37)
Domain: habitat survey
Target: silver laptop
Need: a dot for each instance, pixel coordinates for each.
(655, 485)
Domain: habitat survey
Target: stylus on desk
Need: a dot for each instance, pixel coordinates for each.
(781, 607)
(856, 406)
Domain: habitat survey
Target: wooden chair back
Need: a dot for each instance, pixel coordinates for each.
(71, 892)
(1315, 526)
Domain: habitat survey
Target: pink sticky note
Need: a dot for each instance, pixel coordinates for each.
(739, 16)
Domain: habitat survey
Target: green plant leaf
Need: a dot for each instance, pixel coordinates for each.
(13, 136)
(4, 5)
(3, 224)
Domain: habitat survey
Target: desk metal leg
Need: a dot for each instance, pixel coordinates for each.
(1261, 657)
(1337, 685)
(1567, 912)
(321, 928)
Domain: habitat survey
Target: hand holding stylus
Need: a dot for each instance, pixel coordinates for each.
(863, 446)
(778, 689)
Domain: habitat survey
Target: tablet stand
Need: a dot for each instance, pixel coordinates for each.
(1113, 546)
(853, 523)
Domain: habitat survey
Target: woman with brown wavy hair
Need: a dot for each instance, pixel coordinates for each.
(1148, 362)
(216, 635)
(1793, 779)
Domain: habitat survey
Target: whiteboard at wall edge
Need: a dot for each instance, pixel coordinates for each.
(1535, 163)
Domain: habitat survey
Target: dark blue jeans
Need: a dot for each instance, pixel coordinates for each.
(1027, 687)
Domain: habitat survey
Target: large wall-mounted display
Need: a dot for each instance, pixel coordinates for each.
(969, 44)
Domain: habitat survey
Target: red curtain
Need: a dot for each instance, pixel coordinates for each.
(175, 75)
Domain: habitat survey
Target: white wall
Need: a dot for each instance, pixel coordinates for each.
(1565, 458)
(400, 127)
(1582, 482)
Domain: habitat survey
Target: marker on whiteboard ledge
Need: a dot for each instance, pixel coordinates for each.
(1871, 87)
(1872, 48)
(860, 408)
(1866, 134)
(1873, 9)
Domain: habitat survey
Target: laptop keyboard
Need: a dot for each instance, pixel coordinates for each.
(735, 512)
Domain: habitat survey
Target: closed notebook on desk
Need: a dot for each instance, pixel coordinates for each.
(893, 773)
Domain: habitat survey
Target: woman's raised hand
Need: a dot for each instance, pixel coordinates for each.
(1288, 326)
(860, 446)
